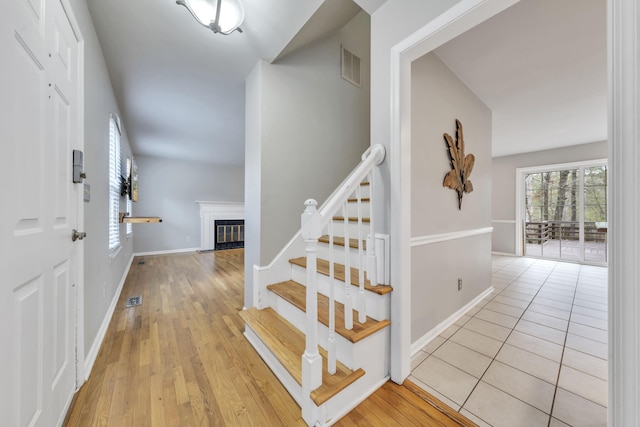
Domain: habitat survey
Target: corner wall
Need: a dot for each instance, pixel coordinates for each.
(306, 130)
(169, 189)
(438, 99)
(504, 185)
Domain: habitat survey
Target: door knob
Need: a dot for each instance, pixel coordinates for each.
(77, 235)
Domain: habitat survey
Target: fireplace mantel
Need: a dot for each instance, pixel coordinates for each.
(209, 213)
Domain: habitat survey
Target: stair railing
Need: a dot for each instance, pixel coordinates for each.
(314, 222)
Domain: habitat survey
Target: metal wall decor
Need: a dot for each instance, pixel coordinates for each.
(461, 166)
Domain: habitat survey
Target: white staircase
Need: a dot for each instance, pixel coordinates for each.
(322, 319)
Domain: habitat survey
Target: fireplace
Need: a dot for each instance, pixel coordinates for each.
(229, 234)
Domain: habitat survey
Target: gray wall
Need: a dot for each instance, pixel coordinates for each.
(169, 189)
(103, 273)
(504, 185)
(306, 130)
(438, 98)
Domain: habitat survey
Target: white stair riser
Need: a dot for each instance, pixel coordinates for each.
(339, 256)
(345, 349)
(377, 306)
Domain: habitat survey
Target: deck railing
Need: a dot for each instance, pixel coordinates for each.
(541, 232)
(318, 221)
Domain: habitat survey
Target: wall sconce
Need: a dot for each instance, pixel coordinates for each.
(220, 16)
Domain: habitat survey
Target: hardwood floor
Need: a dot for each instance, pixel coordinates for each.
(180, 358)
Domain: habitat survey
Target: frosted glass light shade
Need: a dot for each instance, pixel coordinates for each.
(226, 20)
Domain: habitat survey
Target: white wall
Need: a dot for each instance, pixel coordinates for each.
(306, 130)
(504, 184)
(438, 99)
(103, 273)
(169, 189)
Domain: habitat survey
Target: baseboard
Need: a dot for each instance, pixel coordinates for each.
(442, 326)
(90, 357)
(503, 253)
(168, 251)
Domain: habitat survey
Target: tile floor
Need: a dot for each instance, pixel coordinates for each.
(532, 353)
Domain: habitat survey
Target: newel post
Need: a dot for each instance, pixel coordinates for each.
(311, 359)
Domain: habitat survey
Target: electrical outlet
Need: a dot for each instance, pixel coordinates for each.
(188, 238)
(459, 284)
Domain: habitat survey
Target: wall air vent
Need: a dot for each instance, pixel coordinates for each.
(350, 67)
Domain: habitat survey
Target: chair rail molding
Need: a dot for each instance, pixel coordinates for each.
(212, 211)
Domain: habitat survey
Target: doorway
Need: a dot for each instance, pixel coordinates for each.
(563, 212)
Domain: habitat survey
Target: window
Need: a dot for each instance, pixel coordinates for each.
(114, 182)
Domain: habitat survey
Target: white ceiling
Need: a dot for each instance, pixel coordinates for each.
(540, 66)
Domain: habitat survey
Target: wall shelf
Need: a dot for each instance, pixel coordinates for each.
(138, 219)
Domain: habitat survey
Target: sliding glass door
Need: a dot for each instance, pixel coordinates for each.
(565, 212)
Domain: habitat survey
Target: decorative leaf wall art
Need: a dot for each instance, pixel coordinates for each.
(461, 166)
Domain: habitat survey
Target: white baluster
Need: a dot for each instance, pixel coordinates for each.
(362, 314)
(311, 359)
(372, 261)
(332, 309)
(348, 305)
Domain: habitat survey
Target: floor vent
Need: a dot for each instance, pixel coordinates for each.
(133, 301)
(140, 262)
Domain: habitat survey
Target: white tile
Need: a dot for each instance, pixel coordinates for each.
(590, 321)
(564, 297)
(449, 331)
(472, 311)
(602, 315)
(585, 345)
(489, 329)
(590, 304)
(584, 385)
(504, 309)
(418, 359)
(538, 366)
(433, 344)
(541, 331)
(446, 379)
(474, 418)
(536, 345)
(500, 409)
(543, 319)
(550, 311)
(586, 363)
(463, 358)
(557, 423)
(589, 332)
(577, 411)
(529, 389)
(552, 303)
(444, 399)
(462, 320)
(511, 301)
(497, 318)
(520, 293)
(478, 342)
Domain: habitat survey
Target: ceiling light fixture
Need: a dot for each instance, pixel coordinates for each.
(220, 16)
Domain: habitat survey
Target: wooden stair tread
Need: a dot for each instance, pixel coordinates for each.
(339, 241)
(339, 274)
(351, 219)
(296, 294)
(362, 199)
(287, 344)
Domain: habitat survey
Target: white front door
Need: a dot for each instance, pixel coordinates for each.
(39, 285)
